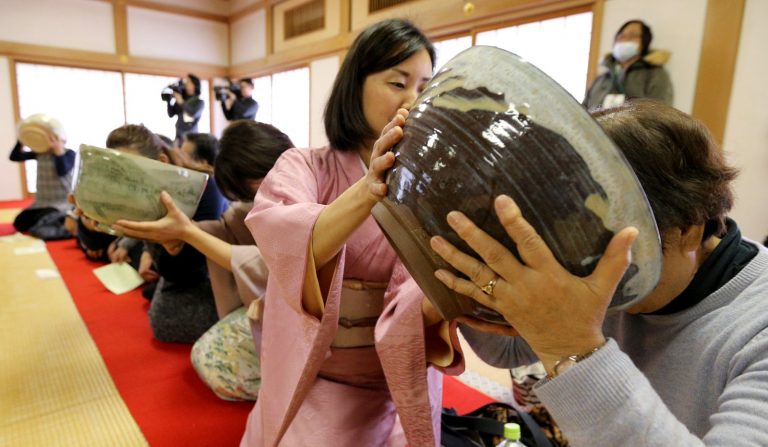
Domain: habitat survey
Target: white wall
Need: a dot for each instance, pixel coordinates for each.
(249, 37)
(10, 174)
(746, 132)
(322, 73)
(172, 36)
(677, 26)
(76, 24)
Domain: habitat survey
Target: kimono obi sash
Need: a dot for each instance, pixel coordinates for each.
(360, 306)
(359, 367)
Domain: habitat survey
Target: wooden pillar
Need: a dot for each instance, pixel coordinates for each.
(594, 46)
(120, 14)
(722, 30)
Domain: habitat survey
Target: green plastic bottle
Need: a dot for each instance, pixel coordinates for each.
(511, 436)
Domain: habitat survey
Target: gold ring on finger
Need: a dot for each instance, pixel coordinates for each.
(488, 288)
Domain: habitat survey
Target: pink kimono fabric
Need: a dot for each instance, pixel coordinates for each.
(295, 406)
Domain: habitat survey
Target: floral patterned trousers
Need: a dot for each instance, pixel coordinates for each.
(225, 358)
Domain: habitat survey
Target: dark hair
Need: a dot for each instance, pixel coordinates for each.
(138, 138)
(247, 151)
(682, 170)
(380, 46)
(645, 37)
(248, 81)
(196, 81)
(206, 146)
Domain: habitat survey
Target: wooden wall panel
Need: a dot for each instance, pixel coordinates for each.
(439, 17)
(17, 118)
(331, 28)
(87, 59)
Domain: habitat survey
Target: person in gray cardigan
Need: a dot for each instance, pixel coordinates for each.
(687, 365)
(632, 70)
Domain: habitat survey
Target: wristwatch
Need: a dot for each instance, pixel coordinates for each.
(566, 363)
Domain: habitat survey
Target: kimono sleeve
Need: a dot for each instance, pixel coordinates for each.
(281, 222)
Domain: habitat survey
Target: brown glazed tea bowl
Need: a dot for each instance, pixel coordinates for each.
(490, 123)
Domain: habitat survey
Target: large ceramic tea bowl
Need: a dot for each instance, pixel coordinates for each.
(113, 185)
(490, 123)
(35, 130)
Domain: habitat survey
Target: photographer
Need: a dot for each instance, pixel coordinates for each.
(236, 100)
(185, 103)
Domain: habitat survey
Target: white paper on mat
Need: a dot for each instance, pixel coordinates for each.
(118, 278)
(16, 237)
(30, 250)
(47, 273)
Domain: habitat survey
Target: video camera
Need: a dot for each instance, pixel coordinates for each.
(222, 91)
(167, 93)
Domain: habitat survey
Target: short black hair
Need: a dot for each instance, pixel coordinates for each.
(248, 81)
(247, 151)
(645, 38)
(206, 146)
(196, 81)
(380, 46)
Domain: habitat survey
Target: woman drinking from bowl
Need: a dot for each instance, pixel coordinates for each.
(344, 335)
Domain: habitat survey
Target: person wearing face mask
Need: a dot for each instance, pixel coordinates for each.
(632, 70)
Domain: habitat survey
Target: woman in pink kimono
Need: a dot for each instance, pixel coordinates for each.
(348, 337)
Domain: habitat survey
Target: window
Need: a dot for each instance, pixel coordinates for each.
(262, 93)
(290, 104)
(144, 106)
(284, 102)
(448, 48)
(89, 103)
(559, 47)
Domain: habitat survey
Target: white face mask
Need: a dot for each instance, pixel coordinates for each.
(624, 51)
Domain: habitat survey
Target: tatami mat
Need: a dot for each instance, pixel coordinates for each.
(54, 387)
(7, 215)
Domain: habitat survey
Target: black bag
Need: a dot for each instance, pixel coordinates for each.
(484, 427)
(50, 227)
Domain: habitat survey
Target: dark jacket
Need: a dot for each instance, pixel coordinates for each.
(242, 109)
(189, 265)
(192, 107)
(645, 78)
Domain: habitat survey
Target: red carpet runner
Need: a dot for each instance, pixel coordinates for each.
(156, 380)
